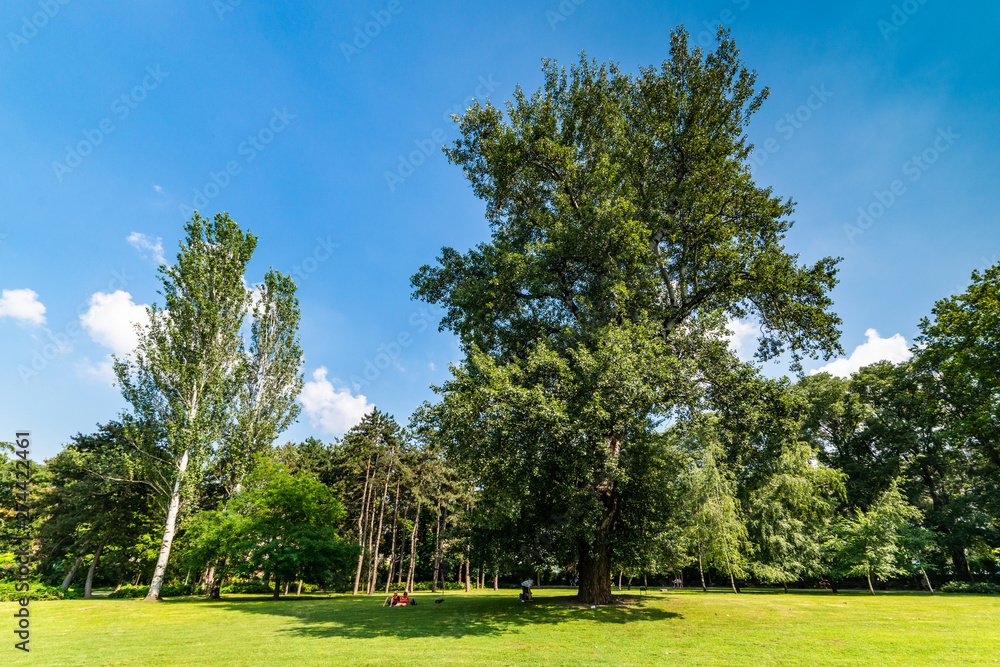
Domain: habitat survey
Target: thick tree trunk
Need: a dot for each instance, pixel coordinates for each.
(299, 590)
(93, 566)
(595, 575)
(361, 525)
(277, 588)
(621, 573)
(72, 572)
(168, 531)
(784, 584)
(496, 579)
(960, 563)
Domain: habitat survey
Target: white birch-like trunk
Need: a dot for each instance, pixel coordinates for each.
(168, 531)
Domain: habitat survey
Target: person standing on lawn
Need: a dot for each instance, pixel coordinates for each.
(526, 589)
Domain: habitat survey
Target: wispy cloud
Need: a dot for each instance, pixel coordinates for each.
(145, 244)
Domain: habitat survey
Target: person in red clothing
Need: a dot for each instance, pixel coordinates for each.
(405, 599)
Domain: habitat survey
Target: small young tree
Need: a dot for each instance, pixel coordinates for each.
(284, 524)
(870, 543)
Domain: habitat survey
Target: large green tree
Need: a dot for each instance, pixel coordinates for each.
(625, 225)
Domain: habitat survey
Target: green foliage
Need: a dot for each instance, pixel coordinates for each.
(38, 591)
(167, 591)
(872, 542)
(977, 587)
(790, 514)
(625, 223)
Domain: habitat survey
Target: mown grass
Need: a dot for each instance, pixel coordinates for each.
(663, 628)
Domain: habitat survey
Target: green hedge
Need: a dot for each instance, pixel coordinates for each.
(980, 587)
(126, 592)
(38, 591)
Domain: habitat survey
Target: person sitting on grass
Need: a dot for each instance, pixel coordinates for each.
(395, 599)
(404, 599)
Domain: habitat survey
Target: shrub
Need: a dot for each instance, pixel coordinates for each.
(980, 587)
(247, 587)
(126, 592)
(38, 591)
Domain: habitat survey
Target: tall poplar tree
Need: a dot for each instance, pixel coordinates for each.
(190, 370)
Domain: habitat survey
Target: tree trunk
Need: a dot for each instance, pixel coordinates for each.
(496, 579)
(833, 586)
(277, 588)
(93, 566)
(299, 591)
(168, 531)
(870, 588)
(595, 575)
(468, 575)
(361, 525)
(701, 571)
(621, 573)
(437, 548)
(960, 563)
(371, 523)
(784, 585)
(392, 548)
(187, 578)
(413, 550)
(373, 578)
(72, 572)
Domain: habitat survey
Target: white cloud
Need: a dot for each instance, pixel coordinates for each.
(432, 366)
(144, 243)
(102, 371)
(22, 305)
(111, 321)
(742, 338)
(875, 349)
(158, 189)
(333, 410)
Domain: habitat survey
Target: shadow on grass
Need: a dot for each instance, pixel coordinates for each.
(458, 616)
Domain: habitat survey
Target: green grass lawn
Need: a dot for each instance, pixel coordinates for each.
(684, 628)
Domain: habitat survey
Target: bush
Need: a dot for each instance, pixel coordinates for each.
(126, 592)
(980, 587)
(247, 587)
(38, 591)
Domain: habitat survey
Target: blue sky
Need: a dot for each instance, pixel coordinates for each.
(115, 120)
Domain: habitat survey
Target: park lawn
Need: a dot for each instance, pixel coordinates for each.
(678, 627)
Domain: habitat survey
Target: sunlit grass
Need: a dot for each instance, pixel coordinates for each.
(684, 628)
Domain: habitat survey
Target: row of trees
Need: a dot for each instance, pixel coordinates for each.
(598, 421)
